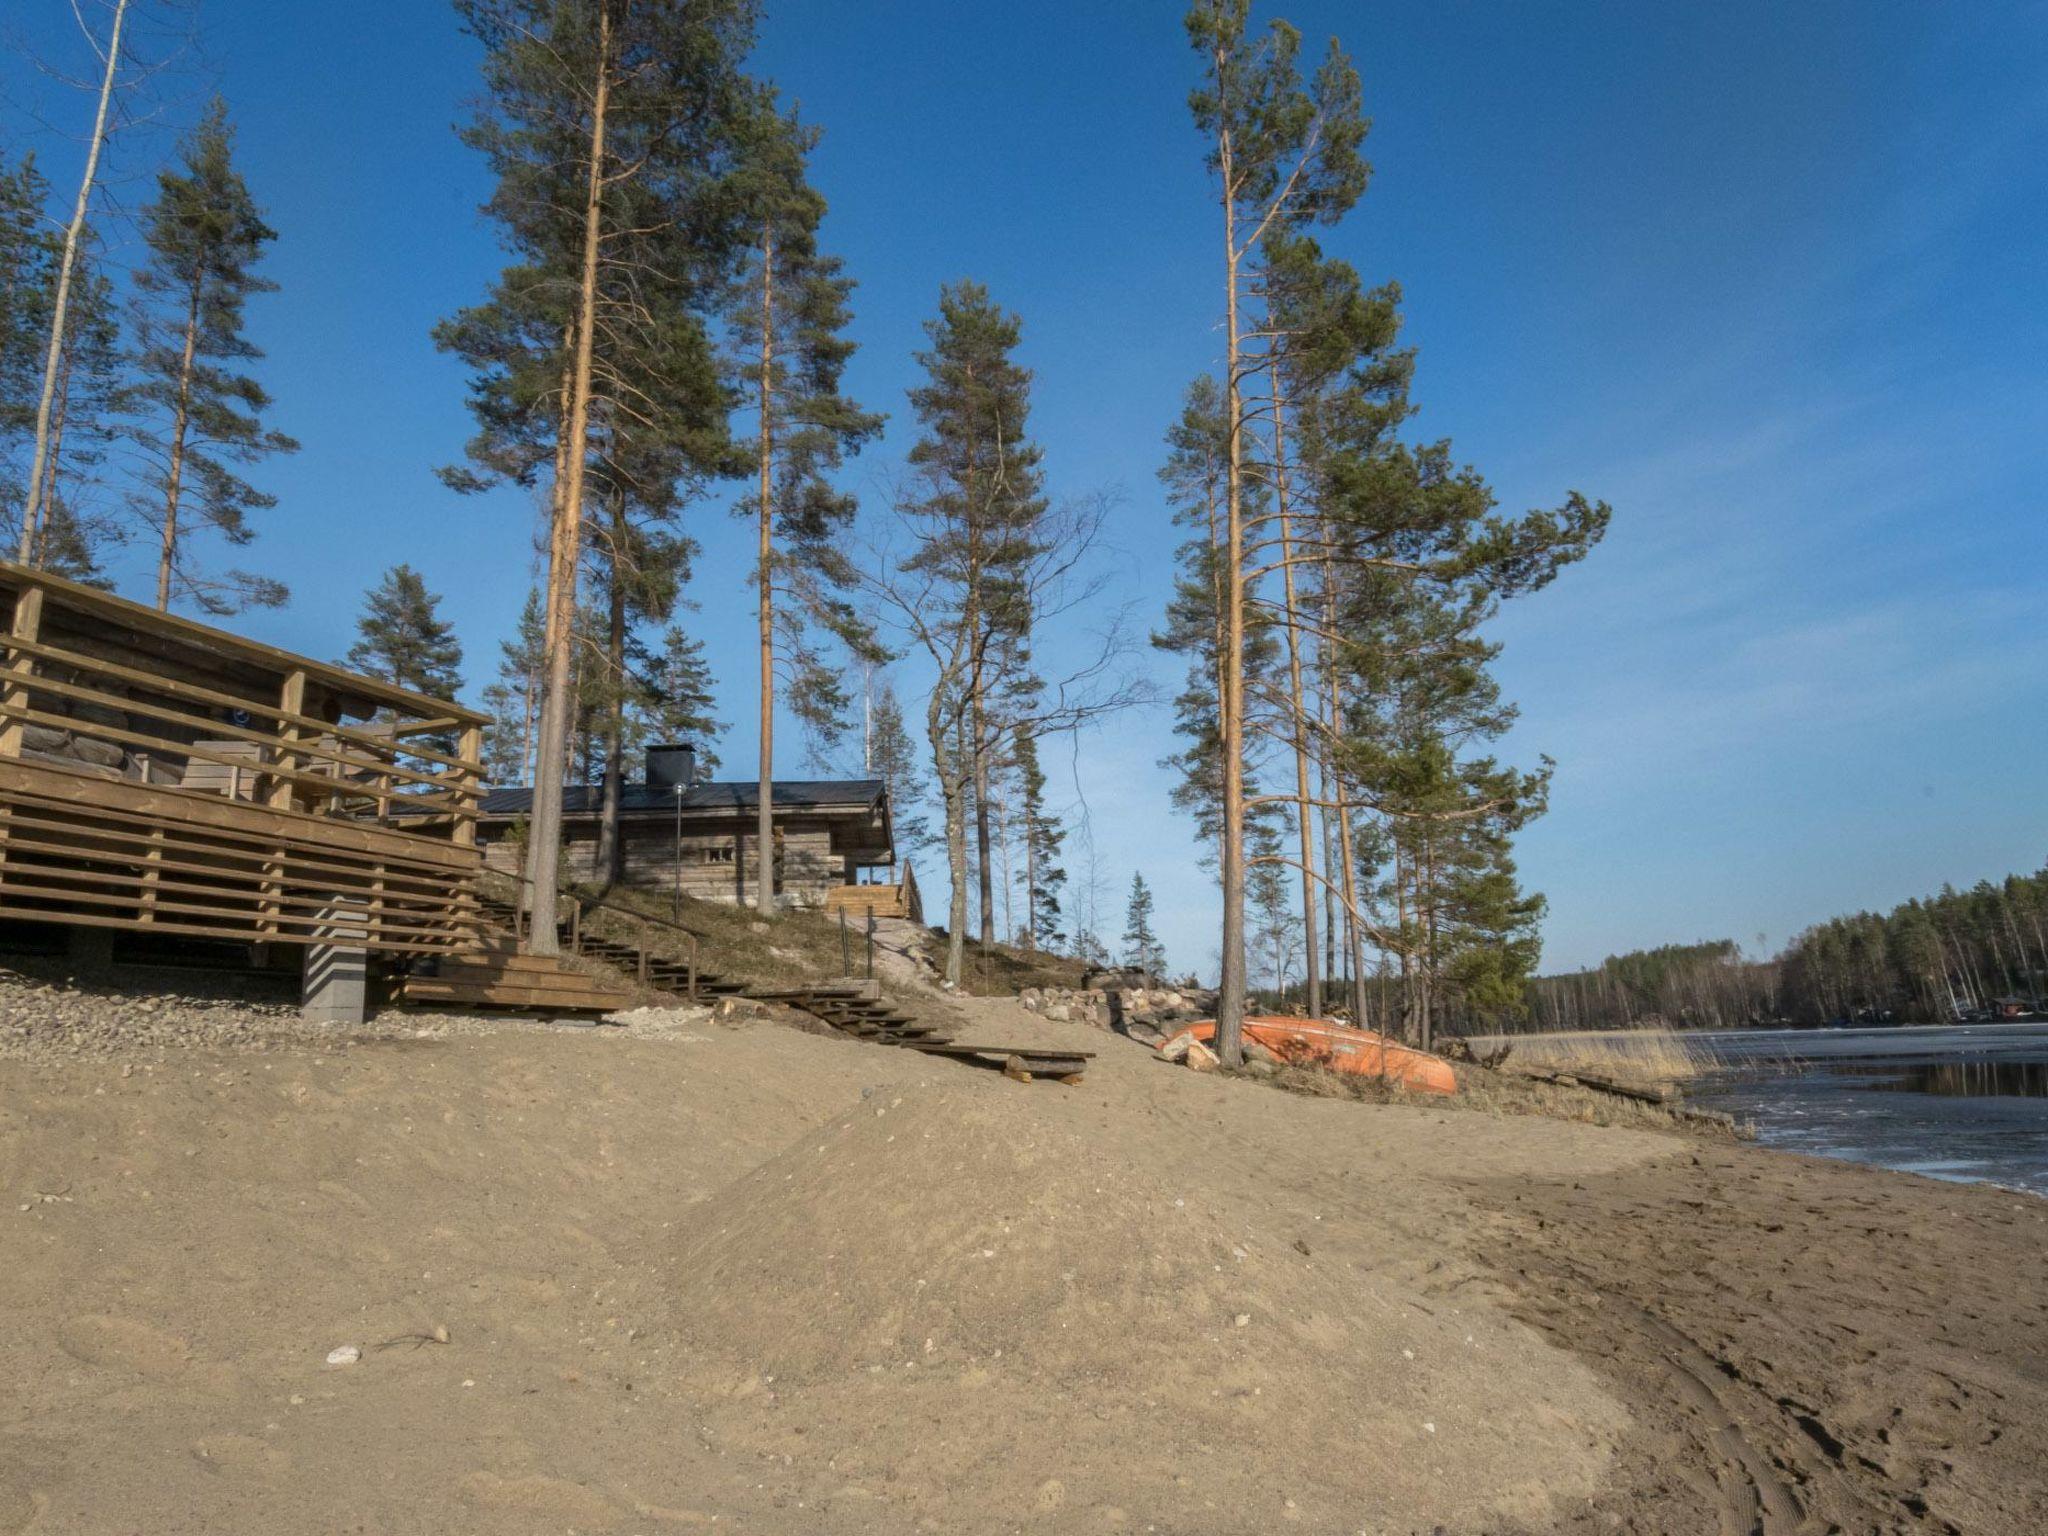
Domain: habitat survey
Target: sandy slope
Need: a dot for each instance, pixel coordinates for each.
(753, 1279)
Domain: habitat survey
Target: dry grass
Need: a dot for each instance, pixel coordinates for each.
(1486, 1092)
(1630, 1055)
(1003, 970)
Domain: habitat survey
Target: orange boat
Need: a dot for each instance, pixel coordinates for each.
(1338, 1048)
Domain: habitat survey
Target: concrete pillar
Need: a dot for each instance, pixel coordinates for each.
(335, 982)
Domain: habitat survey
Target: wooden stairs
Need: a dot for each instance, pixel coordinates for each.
(500, 978)
(848, 1008)
(496, 976)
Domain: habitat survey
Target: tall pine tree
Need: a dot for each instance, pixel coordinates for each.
(979, 513)
(605, 123)
(198, 416)
(789, 321)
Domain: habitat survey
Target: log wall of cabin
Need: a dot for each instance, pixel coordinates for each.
(717, 861)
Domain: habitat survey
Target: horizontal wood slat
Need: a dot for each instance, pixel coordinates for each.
(110, 853)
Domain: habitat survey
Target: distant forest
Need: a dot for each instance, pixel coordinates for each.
(1934, 960)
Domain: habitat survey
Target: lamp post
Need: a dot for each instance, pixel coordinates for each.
(680, 789)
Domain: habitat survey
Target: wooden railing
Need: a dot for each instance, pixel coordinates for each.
(156, 772)
(900, 899)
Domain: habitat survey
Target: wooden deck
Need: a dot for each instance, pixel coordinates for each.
(900, 899)
(162, 775)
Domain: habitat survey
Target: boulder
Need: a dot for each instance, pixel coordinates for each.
(1200, 1057)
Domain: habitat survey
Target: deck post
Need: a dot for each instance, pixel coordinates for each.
(467, 787)
(28, 624)
(335, 981)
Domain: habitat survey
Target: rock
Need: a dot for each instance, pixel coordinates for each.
(1199, 1056)
(1176, 1049)
(1254, 1051)
(1259, 1067)
(344, 1354)
(737, 1010)
(1059, 1013)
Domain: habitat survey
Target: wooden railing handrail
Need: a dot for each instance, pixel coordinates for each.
(73, 595)
(178, 689)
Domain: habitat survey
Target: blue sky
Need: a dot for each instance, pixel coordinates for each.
(1768, 278)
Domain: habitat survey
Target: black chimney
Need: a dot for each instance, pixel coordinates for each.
(671, 765)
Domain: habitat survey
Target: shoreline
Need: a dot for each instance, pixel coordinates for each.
(1210, 1306)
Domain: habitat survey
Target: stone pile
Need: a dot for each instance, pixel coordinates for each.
(1125, 1007)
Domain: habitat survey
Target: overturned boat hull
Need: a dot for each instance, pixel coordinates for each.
(1335, 1047)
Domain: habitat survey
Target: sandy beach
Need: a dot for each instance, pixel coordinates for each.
(683, 1276)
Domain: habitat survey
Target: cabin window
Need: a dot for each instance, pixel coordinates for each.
(718, 855)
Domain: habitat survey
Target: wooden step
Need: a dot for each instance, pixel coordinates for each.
(524, 983)
(424, 991)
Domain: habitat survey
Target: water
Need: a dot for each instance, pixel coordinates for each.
(1966, 1102)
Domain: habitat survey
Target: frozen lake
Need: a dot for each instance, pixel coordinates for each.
(1967, 1101)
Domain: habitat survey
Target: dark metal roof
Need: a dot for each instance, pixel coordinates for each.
(709, 798)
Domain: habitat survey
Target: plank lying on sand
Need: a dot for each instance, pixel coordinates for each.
(1050, 1063)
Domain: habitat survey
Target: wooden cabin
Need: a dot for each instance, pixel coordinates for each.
(700, 837)
(164, 776)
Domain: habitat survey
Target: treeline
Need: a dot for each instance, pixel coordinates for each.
(1956, 955)
(1942, 957)
(1708, 985)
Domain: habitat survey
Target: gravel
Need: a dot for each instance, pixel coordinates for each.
(58, 1018)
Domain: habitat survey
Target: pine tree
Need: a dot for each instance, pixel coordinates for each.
(197, 417)
(608, 125)
(403, 638)
(28, 264)
(789, 321)
(981, 528)
(1043, 838)
(67, 536)
(514, 700)
(679, 699)
(1195, 477)
(1285, 154)
(893, 757)
(1142, 950)
(52, 527)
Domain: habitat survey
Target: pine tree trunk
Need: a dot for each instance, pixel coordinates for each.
(952, 789)
(764, 888)
(1030, 878)
(1231, 983)
(174, 479)
(608, 856)
(1347, 842)
(1009, 885)
(60, 311)
(983, 838)
(1299, 719)
(37, 552)
(544, 845)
